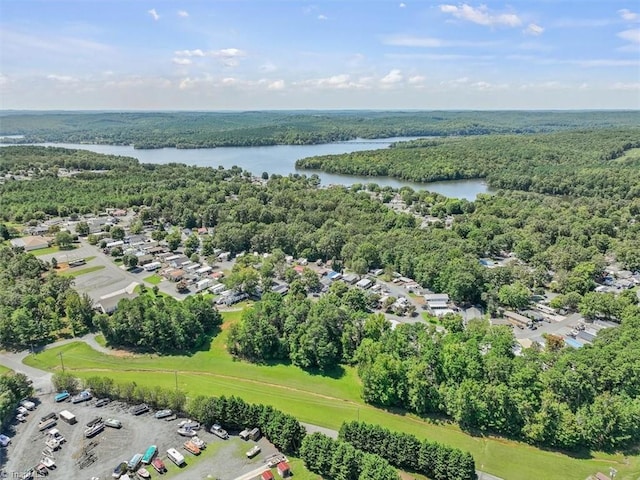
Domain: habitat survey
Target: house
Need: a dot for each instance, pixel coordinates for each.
(34, 242)
(299, 269)
(145, 259)
(267, 475)
(517, 320)
(281, 289)
(588, 334)
(175, 275)
(364, 283)
(284, 470)
(332, 275)
(438, 304)
(108, 305)
(350, 278)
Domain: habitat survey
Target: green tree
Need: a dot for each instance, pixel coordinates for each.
(64, 239)
(82, 229)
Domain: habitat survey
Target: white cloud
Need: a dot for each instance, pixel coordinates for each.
(183, 13)
(190, 53)
(416, 80)
(153, 14)
(392, 78)
(402, 5)
(626, 86)
(632, 35)
(181, 61)
(322, 17)
(402, 40)
(229, 56)
(267, 68)
(628, 15)
(533, 29)
(334, 82)
(481, 15)
(277, 85)
(61, 78)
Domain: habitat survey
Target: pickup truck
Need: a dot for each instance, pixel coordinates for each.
(62, 396)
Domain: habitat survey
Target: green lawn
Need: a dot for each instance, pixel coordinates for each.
(4, 370)
(154, 279)
(54, 249)
(100, 340)
(321, 400)
(81, 271)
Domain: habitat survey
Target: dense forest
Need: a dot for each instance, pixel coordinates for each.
(160, 324)
(13, 388)
(209, 129)
(584, 163)
(36, 304)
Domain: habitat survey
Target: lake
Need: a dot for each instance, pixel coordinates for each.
(281, 159)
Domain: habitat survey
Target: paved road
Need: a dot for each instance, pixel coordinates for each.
(253, 474)
(42, 379)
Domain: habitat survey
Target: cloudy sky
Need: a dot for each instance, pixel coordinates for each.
(297, 54)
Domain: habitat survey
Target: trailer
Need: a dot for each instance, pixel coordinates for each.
(68, 417)
(176, 457)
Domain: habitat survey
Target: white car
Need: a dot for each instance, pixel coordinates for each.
(22, 410)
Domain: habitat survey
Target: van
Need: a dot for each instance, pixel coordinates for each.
(176, 457)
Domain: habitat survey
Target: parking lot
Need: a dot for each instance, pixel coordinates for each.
(97, 457)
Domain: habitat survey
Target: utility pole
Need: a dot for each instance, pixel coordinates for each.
(61, 361)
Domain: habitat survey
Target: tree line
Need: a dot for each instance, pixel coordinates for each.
(211, 129)
(338, 460)
(14, 387)
(409, 453)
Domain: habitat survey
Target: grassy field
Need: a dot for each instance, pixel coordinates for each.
(322, 400)
(81, 271)
(154, 279)
(54, 249)
(4, 370)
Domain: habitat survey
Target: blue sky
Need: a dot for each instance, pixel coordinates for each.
(297, 54)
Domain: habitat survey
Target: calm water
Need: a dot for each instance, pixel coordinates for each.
(280, 159)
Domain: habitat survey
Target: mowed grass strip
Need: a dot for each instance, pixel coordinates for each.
(323, 401)
(82, 271)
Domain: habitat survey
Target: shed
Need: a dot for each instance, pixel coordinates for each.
(267, 475)
(284, 470)
(68, 417)
(254, 434)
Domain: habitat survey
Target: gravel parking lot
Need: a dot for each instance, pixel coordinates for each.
(95, 458)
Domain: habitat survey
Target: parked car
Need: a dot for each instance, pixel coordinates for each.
(102, 402)
(22, 410)
(163, 413)
(62, 396)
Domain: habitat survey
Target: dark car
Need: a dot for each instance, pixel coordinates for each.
(102, 402)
